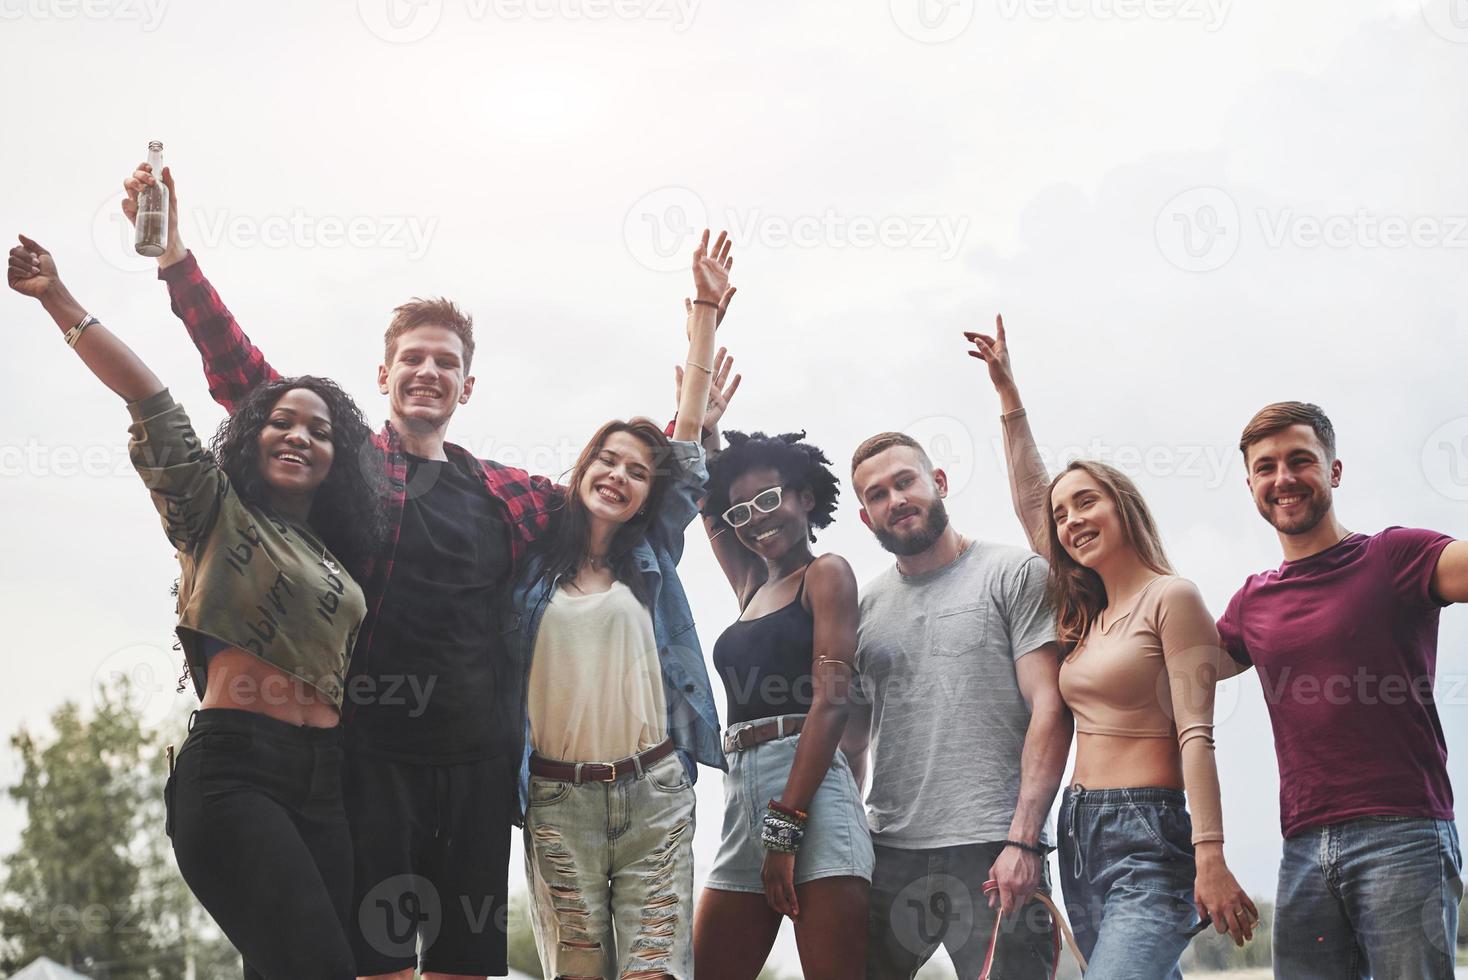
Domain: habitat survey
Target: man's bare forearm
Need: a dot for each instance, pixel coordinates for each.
(1042, 767)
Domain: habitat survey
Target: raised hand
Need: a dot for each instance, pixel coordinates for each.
(143, 177)
(721, 389)
(994, 351)
(723, 305)
(32, 270)
(711, 270)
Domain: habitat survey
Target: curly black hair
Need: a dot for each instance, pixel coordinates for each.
(801, 466)
(347, 512)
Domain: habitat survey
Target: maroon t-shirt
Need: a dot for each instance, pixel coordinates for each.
(1345, 645)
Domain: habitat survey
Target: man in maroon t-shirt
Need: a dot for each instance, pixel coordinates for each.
(1344, 638)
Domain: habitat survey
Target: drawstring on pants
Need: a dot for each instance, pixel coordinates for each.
(1075, 840)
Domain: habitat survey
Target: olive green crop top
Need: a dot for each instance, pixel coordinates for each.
(249, 578)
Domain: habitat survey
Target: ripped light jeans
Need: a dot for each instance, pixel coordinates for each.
(610, 867)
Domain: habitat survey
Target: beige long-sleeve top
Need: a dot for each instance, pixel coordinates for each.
(1151, 672)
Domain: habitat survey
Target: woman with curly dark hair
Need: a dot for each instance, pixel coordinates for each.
(270, 528)
(795, 839)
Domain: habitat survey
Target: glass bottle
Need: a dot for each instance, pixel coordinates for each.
(151, 231)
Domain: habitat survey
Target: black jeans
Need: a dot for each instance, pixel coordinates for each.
(255, 813)
(923, 898)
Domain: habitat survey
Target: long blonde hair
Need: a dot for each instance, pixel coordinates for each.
(1075, 591)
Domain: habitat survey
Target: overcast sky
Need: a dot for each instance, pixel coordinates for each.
(1184, 208)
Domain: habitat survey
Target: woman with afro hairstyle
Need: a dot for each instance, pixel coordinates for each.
(271, 525)
(795, 839)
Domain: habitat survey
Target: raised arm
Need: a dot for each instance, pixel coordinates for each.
(32, 272)
(711, 282)
(186, 483)
(1028, 480)
(1192, 654)
(744, 570)
(233, 365)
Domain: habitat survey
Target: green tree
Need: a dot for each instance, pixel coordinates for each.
(71, 887)
(521, 944)
(93, 884)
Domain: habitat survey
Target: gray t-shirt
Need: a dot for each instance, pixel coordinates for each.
(936, 654)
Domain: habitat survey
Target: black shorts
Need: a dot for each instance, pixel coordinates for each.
(432, 854)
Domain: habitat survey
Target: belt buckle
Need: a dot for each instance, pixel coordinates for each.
(739, 741)
(613, 777)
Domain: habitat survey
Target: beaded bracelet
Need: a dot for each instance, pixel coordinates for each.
(781, 832)
(789, 811)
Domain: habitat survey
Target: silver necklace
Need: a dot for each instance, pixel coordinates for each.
(325, 562)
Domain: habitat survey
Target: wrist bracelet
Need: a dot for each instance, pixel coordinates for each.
(705, 302)
(1039, 850)
(781, 833)
(788, 811)
(75, 333)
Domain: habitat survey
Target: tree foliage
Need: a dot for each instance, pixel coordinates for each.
(93, 884)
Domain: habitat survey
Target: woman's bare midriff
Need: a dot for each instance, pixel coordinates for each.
(244, 682)
(1118, 761)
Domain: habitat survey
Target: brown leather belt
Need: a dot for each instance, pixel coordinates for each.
(768, 730)
(600, 772)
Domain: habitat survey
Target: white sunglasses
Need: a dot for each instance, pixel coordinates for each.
(764, 502)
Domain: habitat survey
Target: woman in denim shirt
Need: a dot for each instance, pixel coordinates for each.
(619, 710)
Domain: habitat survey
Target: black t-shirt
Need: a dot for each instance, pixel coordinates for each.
(439, 686)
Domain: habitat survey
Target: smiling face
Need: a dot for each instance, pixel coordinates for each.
(902, 500)
(618, 479)
(295, 447)
(1292, 479)
(427, 377)
(772, 535)
(1087, 521)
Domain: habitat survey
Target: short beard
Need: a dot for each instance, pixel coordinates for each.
(1314, 514)
(916, 542)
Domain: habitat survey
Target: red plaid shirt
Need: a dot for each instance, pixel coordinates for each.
(233, 366)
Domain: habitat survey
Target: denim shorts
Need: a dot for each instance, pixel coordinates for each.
(1127, 870)
(836, 844)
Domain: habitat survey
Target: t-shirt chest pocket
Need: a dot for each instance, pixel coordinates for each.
(956, 632)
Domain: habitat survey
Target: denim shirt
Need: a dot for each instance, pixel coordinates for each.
(693, 720)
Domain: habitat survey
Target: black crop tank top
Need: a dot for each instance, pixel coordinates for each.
(765, 663)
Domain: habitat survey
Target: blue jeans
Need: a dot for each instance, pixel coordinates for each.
(1127, 870)
(1374, 897)
(610, 867)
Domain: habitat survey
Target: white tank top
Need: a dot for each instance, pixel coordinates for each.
(596, 686)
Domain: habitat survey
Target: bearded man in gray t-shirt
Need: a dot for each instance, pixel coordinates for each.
(968, 733)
